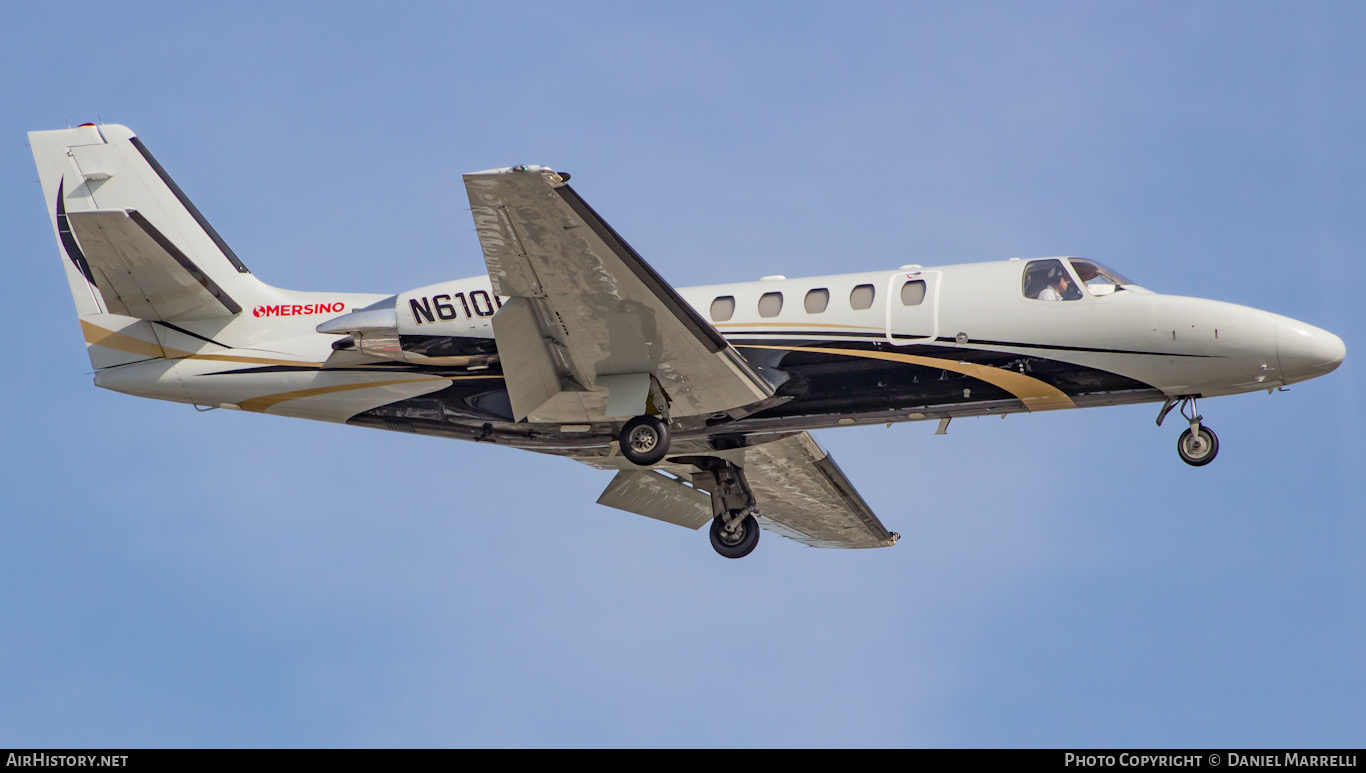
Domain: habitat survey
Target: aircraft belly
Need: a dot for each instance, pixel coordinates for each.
(337, 400)
(851, 378)
(829, 384)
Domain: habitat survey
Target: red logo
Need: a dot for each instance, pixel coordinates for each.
(297, 310)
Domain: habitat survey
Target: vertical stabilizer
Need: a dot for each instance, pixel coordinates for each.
(135, 250)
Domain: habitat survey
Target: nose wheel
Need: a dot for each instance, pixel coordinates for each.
(1198, 445)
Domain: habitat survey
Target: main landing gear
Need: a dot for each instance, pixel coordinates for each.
(734, 536)
(1198, 445)
(645, 440)
(734, 530)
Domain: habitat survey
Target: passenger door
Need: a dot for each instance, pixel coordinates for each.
(913, 307)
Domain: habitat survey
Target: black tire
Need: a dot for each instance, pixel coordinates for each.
(1201, 453)
(735, 545)
(645, 440)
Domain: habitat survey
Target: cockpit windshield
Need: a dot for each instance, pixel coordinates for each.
(1099, 279)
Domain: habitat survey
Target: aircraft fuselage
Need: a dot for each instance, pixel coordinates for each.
(841, 349)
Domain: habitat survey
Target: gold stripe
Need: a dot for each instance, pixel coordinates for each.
(98, 336)
(260, 404)
(1035, 394)
(251, 360)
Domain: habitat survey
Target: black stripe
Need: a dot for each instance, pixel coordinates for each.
(284, 369)
(182, 330)
(190, 207)
(134, 362)
(185, 262)
(379, 367)
(680, 308)
(73, 250)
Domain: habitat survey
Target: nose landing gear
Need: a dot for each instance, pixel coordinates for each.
(1198, 445)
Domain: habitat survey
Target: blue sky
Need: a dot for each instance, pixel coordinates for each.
(169, 578)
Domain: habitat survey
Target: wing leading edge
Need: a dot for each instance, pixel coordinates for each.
(589, 323)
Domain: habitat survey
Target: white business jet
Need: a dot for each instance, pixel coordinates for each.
(701, 398)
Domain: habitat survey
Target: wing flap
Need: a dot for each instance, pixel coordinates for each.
(532, 377)
(143, 274)
(599, 307)
(658, 496)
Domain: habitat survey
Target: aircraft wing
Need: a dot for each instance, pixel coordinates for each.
(588, 322)
(798, 489)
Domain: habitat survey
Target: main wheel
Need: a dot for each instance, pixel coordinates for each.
(1198, 449)
(645, 440)
(737, 542)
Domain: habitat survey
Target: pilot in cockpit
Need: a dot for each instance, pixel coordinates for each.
(1059, 286)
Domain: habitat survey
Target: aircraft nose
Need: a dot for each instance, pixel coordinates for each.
(1305, 351)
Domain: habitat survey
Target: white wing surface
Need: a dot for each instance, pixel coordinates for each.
(803, 495)
(590, 327)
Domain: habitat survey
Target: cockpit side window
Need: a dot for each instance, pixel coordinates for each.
(1098, 279)
(1049, 280)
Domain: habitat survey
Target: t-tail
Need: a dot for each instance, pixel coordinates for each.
(150, 277)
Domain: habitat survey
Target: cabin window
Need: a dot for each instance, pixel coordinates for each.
(770, 304)
(862, 297)
(913, 293)
(1049, 280)
(723, 308)
(817, 301)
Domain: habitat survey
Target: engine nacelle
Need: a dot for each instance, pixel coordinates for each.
(446, 324)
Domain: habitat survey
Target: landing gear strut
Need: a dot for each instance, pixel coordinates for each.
(1198, 445)
(645, 440)
(734, 530)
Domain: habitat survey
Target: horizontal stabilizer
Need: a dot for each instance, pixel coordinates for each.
(143, 274)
